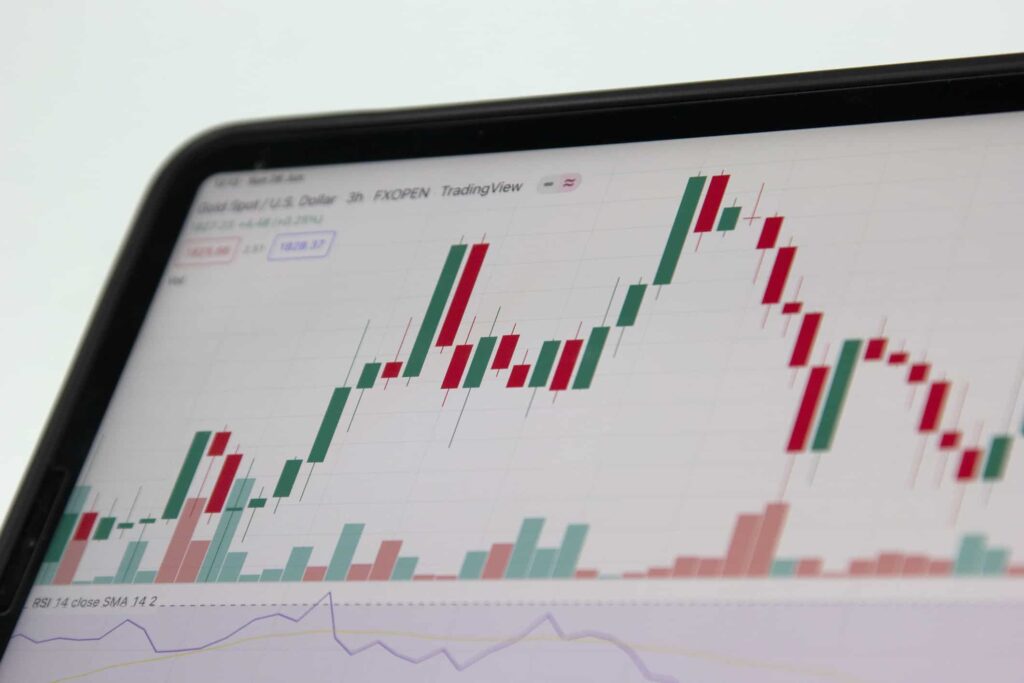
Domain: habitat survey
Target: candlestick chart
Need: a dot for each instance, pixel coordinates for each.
(699, 417)
(560, 365)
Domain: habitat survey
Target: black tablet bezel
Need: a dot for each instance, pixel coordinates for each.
(906, 92)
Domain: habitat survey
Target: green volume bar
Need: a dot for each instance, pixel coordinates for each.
(543, 563)
(473, 565)
(730, 216)
(270, 575)
(836, 395)
(130, 561)
(995, 465)
(297, 561)
(782, 567)
(569, 552)
(591, 354)
(971, 558)
(232, 568)
(185, 476)
(680, 229)
(631, 305)
(344, 551)
(478, 366)
(221, 543)
(318, 453)
(405, 567)
(545, 361)
(286, 482)
(368, 376)
(435, 308)
(145, 577)
(103, 529)
(522, 552)
(995, 562)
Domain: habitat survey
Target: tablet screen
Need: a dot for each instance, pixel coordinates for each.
(742, 408)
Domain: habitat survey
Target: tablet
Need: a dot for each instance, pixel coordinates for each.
(704, 383)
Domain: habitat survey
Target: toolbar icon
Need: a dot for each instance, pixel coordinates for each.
(563, 182)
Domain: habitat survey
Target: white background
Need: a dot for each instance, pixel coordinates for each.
(94, 96)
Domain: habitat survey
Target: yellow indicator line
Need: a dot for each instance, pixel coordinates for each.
(652, 649)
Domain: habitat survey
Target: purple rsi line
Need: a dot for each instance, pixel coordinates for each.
(328, 598)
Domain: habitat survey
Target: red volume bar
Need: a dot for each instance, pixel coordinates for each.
(712, 201)
(709, 566)
(863, 567)
(808, 407)
(566, 364)
(453, 377)
(805, 340)
(741, 545)
(890, 564)
(933, 406)
(384, 563)
(224, 479)
(915, 565)
(780, 273)
(810, 566)
(685, 566)
(359, 572)
(768, 539)
(460, 299)
(506, 347)
(75, 550)
(497, 561)
(314, 573)
(770, 232)
(219, 443)
(182, 536)
(192, 561)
